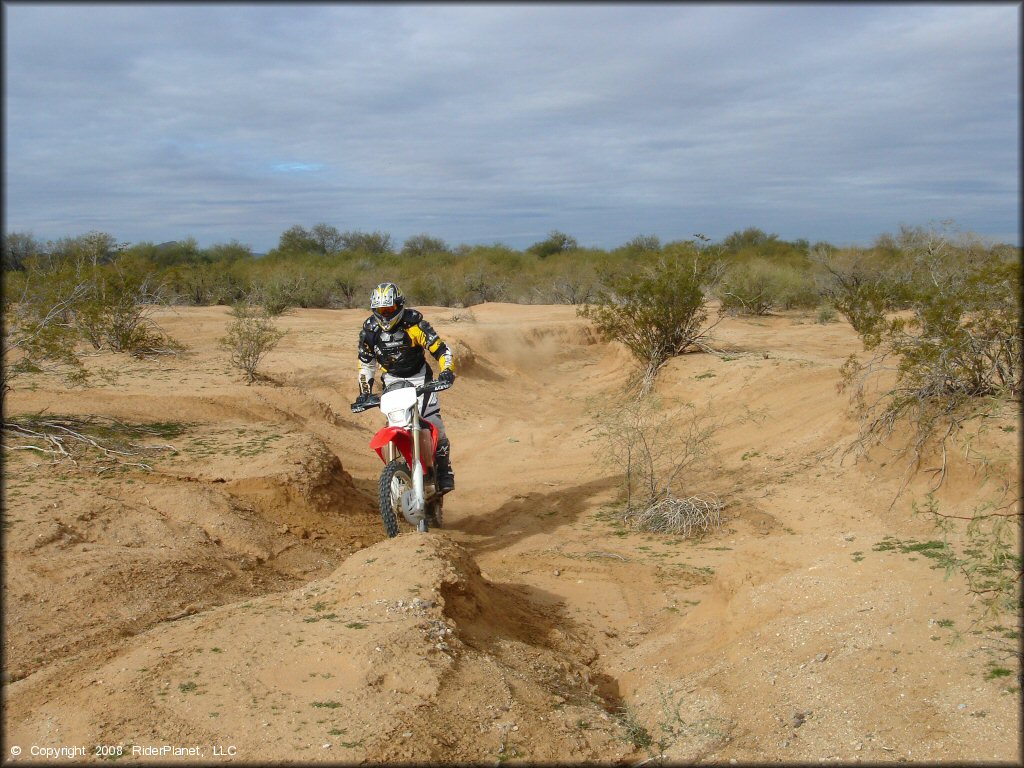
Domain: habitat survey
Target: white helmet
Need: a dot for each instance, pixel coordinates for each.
(388, 305)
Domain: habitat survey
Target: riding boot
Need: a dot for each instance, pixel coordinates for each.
(445, 476)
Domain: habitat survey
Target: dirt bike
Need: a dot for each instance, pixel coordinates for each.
(406, 445)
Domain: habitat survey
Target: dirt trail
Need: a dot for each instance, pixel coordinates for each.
(241, 597)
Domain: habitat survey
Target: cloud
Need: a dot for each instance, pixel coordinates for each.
(474, 121)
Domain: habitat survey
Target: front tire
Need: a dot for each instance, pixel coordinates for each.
(394, 481)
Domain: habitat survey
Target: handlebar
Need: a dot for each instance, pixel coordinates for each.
(372, 401)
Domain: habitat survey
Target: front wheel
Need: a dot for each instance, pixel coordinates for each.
(394, 481)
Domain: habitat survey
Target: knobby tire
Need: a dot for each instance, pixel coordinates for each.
(388, 504)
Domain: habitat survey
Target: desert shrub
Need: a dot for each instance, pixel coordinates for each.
(631, 438)
(859, 284)
(346, 288)
(251, 335)
(576, 288)
(958, 342)
(19, 247)
(658, 310)
(990, 559)
(39, 330)
(746, 288)
(75, 295)
(481, 286)
(569, 278)
(555, 242)
(641, 245)
(205, 284)
(117, 310)
(424, 245)
(826, 314)
(374, 243)
(757, 286)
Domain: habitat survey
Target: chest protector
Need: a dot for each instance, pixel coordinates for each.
(400, 351)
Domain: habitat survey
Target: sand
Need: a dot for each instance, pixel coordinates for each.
(239, 602)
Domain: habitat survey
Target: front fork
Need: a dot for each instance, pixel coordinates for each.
(412, 501)
(416, 507)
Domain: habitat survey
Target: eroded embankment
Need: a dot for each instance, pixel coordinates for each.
(405, 651)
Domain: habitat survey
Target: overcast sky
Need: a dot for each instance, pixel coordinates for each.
(500, 123)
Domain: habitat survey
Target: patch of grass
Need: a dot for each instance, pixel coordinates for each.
(934, 549)
(996, 672)
(326, 704)
(324, 617)
(635, 732)
(857, 556)
(945, 623)
(707, 375)
(508, 753)
(749, 455)
(187, 687)
(356, 625)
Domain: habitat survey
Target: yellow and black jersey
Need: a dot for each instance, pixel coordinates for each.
(399, 351)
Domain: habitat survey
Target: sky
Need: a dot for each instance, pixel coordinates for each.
(487, 123)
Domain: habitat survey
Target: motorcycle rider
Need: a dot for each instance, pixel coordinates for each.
(394, 337)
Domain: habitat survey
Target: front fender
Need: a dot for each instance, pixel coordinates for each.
(403, 443)
(396, 435)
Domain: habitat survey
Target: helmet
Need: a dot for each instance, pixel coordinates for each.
(387, 304)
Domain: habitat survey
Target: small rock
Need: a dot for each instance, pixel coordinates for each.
(283, 529)
(326, 746)
(557, 572)
(357, 544)
(821, 657)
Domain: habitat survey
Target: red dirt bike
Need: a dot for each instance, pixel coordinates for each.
(406, 445)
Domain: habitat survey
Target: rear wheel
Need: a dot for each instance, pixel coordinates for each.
(394, 481)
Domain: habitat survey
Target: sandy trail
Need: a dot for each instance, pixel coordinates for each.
(241, 597)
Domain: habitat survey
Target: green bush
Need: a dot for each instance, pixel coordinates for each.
(957, 342)
(757, 286)
(556, 242)
(658, 310)
(251, 335)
